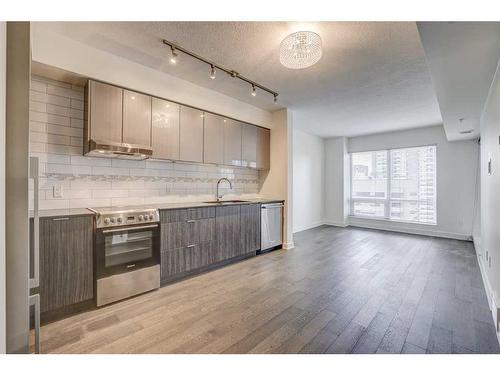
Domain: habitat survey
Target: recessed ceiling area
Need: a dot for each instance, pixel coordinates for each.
(371, 78)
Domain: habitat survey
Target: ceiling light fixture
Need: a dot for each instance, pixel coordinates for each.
(173, 59)
(213, 67)
(254, 93)
(300, 50)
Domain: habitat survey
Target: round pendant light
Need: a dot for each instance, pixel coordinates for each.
(300, 50)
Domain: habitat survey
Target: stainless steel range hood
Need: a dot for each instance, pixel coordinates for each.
(118, 150)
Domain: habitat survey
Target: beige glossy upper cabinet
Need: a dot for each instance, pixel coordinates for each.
(105, 115)
(213, 139)
(232, 142)
(249, 146)
(136, 118)
(191, 135)
(263, 148)
(165, 129)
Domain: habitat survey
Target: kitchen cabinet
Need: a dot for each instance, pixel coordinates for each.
(249, 145)
(232, 142)
(105, 112)
(191, 135)
(263, 148)
(165, 129)
(66, 261)
(136, 118)
(250, 228)
(213, 139)
(227, 232)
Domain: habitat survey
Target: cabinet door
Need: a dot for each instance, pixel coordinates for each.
(263, 148)
(249, 146)
(232, 143)
(191, 135)
(250, 228)
(227, 232)
(66, 261)
(136, 118)
(105, 112)
(213, 139)
(165, 129)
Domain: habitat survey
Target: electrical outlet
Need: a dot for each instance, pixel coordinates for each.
(57, 192)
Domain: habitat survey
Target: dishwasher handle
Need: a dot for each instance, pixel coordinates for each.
(272, 205)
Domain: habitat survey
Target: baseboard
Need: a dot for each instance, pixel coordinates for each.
(419, 231)
(492, 303)
(288, 245)
(306, 227)
(336, 223)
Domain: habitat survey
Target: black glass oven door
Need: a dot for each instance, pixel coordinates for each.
(125, 249)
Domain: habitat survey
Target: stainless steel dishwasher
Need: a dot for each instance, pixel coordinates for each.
(271, 230)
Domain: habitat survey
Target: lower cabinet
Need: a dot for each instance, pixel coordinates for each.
(66, 261)
(195, 238)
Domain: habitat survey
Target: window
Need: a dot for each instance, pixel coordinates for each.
(398, 184)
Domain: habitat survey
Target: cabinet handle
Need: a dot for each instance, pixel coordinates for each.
(190, 221)
(60, 219)
(34, 300)
(190, 245)
(35, 281)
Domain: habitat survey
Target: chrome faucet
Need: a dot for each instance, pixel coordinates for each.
(219, 196)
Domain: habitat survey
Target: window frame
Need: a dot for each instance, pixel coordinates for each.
(387, 201)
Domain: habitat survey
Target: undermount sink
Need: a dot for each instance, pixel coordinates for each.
(228, 201)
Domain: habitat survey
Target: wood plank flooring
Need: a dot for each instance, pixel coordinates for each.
(338, 291)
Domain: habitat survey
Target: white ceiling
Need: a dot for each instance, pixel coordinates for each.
(462, 59)
(372, 76)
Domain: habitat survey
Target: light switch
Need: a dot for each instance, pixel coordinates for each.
(57, 192)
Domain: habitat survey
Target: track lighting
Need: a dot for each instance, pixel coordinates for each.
(173, 59)
(254, 93)
(174, 49)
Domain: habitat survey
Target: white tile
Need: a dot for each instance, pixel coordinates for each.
(65, 92)
(38, 86)
(159, 164)
(92, 203)
(58, 100)
(77, 194)
(38, 96)
(128, 163)
(38, 116)
(76, 123)
(38, 126)
(133, 184)
(76, 141)
(76, 113)
(38, 147)
(127, 201)
(38, 106)
(186, 167)
(110, 171)
(58, 120)
(54, 204)
(64, 130)
(58, 110)
(58, 139)
(78, 88)
(109, 193)
(69, 169)
(77, 104)
(57, 159)
(67, 150)
(51, 81)
(86, 160)
(89, 184)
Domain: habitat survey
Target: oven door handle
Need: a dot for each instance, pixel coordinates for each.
(129, 228)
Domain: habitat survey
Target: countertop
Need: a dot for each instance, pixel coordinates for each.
(159, 206)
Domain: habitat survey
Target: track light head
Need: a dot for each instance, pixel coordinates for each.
(173, 59)
(254, 93)
(212, 72)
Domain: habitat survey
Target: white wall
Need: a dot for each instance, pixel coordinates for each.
(3, 47)
(490, 191)
(336, 181)
(456, 179)
(308, 180)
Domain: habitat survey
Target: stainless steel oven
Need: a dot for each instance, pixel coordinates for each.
(126, 253)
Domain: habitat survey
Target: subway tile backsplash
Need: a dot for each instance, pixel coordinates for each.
(56, 138)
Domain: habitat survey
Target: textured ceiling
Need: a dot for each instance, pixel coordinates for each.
(372, 76)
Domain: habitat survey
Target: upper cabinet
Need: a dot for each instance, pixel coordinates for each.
(263, 148)
(249, 138)
(191, 135)
(105, 112)
(232, 142)
(136, 118)
(213, 139)
(165, 129)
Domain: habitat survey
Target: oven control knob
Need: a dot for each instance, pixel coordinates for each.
(151, 217)
(141, 217)
(119, 220)
(146, 217)
(112, 220)
(106, 221)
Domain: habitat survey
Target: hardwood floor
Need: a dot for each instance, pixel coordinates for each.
(339, 291)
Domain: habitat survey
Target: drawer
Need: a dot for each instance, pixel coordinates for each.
(185, 214)
(190, 232)
(179, 261)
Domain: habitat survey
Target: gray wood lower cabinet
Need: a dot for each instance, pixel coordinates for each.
(66, 261)
(195, 238)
